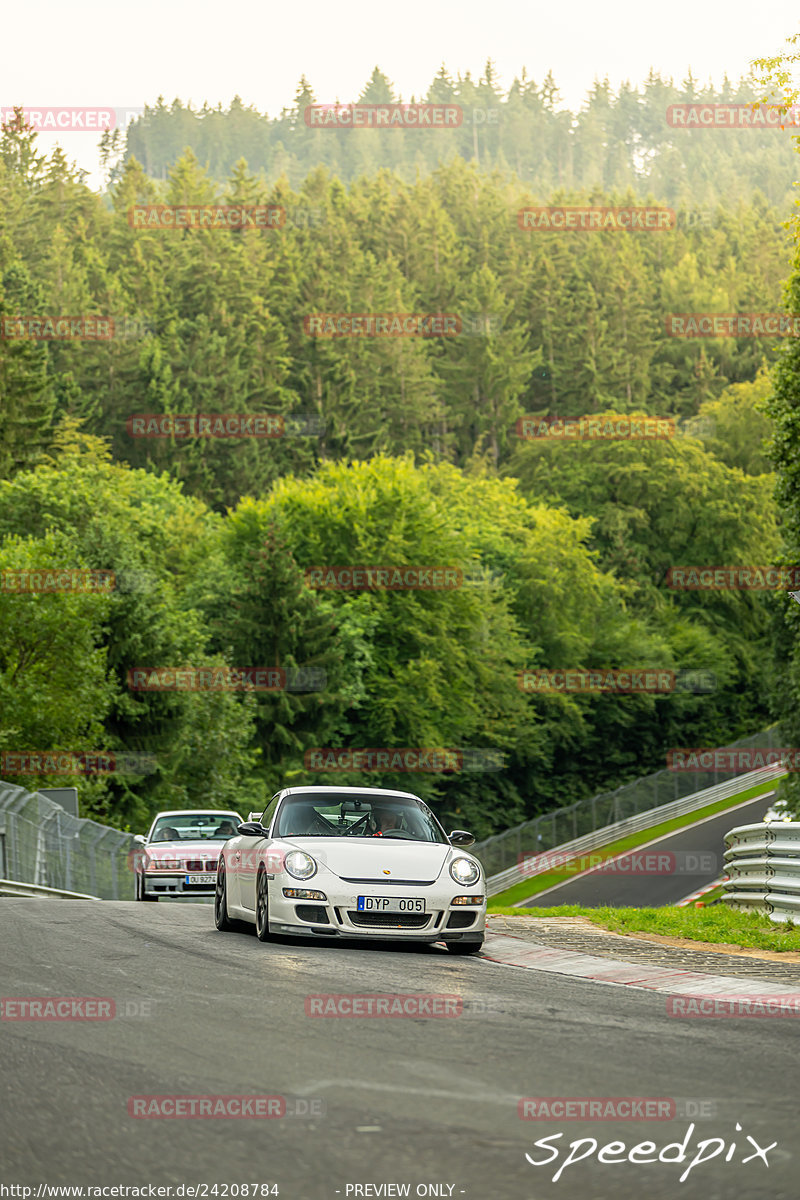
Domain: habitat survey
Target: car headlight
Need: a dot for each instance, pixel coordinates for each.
(465, 870)
(300, 864)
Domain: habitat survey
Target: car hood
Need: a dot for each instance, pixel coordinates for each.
(183, 850)
(376, 858)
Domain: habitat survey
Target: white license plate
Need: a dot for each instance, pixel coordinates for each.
(201, 879)
(390, 904)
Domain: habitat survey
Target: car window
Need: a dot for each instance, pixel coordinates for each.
(194, 827)
(315, 814)
(269, 811)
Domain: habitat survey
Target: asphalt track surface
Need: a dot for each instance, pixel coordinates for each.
(416, 1102)
(622, 885)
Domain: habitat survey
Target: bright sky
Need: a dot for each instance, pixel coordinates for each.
(91, 53)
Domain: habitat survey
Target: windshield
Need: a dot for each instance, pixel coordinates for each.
(318, 815)
(195, 827)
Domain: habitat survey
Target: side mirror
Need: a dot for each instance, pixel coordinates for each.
(140, 839)
(252, 829)
(460, 837)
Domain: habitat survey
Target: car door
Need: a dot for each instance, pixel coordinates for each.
(251, 855)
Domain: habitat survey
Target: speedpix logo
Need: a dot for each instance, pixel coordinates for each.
(616, 1153)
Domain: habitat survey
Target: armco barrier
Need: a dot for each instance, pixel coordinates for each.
(763, 867)
(553, 829)
(43, 845)
(645, 820)
(9, 887)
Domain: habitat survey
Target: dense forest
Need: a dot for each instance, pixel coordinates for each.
(628, 139)
(392, 450)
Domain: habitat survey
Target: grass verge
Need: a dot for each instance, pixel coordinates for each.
(718, 923)
(547, 879)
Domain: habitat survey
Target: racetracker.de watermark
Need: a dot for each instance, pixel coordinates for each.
(46, 580)
(741, 578)
(57, 1008)
(223, 425)
(616, 1108)
(721, 1007)
(634, 862)
(225, 1108)
(49, 119)
(417, 758)
(226, 679)
(85, 328)
(590, 428)
(733, 116)
(627, 681)
(68, 762)
(596, 1108)
(385, 324)
(384, 1004)
(731, 762)
(384, 578)
(594, 219)
(37, 328)
(383, 116)
(731, 325)
(206, 216)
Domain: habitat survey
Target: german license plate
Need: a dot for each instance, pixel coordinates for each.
(390, 904)
(209, 879)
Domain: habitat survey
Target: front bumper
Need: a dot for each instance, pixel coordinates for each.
(338, 915)
(165, 883)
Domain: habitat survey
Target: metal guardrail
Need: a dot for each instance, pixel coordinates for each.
(645, 820)
(10, 887)
(44, 845)
(559, 826)
(763, 865)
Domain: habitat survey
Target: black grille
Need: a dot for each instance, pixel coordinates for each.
(312, 912)
(391, 882)
(460, 920)
(194, 864)
(211, 864)
(385, 920)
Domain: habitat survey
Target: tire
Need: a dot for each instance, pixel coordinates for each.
(141, 894)
(464, 947)
(262, 907)
(221, 918)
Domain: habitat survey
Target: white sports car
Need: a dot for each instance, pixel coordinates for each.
(352, 862)
(180, 853)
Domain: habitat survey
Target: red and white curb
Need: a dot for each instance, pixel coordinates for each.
(703, 891)
(511, 951)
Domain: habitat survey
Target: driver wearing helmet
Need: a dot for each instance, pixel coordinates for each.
(384, 819)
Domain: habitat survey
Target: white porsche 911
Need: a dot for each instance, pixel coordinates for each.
(352, 862)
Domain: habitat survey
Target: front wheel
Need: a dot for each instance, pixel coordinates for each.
(221, 918)
(262, 907)
(141, 894)
(464, 947)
